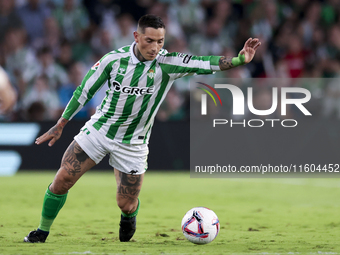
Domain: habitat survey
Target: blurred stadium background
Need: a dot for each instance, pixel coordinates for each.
(47, 46)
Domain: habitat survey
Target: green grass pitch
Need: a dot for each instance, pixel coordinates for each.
(263, 216)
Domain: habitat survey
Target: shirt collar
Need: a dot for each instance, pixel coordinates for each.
(135, 59)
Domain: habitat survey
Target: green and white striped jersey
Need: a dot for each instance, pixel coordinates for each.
(136, 90)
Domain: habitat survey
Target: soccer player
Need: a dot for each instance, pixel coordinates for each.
(139, 77)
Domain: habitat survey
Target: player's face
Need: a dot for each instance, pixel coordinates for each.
(150, 43)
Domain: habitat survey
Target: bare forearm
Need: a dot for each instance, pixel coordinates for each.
(62, 122)
(225, 63)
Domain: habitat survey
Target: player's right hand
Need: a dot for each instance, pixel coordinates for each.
(53, 134)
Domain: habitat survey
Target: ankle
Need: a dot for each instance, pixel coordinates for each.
(42, 231)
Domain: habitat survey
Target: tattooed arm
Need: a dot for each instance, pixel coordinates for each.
(53, 134)
(225, 63)
(244, 57)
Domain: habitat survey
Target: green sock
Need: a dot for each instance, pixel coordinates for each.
(51, 206)
(130, 215)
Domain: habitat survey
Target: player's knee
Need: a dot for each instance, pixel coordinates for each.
(61, 185)
(127, 206)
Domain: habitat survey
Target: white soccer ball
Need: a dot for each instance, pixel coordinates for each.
(200, 225)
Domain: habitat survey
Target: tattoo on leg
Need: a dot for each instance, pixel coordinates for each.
(129, 179)
(129, 185)
(126, 191)
(73, 158)
(80, 154)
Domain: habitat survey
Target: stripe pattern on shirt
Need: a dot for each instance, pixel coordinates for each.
(136, 90)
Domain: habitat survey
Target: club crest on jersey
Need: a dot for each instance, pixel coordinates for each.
(121, 70)
(95, 66)
(151, 74)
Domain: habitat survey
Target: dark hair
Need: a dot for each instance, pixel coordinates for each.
(44, 50)
(150, 20)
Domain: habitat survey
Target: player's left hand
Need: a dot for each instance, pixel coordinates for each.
(249, 49)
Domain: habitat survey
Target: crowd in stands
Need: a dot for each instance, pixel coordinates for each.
(47, 46)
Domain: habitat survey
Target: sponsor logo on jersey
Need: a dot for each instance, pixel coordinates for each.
(151, 74)
(132, 90)
(95, 66)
